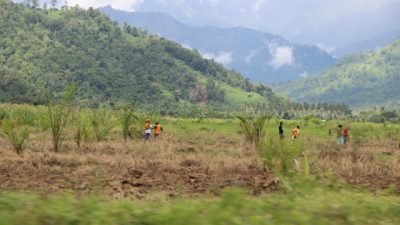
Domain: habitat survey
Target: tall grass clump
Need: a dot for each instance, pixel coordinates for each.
(59, 112)
(3, 114)
(81, 128)
(102, 123)
(16, 132)
(128, 120)
(359, 136)
(254, 128)
(282, 156)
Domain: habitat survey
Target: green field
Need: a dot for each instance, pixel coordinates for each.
(200, 171)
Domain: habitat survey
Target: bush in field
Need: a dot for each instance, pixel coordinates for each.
(307, 119)
(359, 135)
(280, 155)
(3, 114)
(24, 116)
(128, 121)
(16, 133)
(81, 128)
(253, 128)
(59, 114)
(102, 123)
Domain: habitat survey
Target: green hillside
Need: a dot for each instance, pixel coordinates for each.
(251, 52)
(361, 81)
(48, 50)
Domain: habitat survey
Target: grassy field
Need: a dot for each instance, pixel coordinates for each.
(187, 176)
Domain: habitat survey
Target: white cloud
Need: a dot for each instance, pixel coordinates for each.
(126, 5)
(224, 58)
(304, 74)
(325, 48)
(333, 9)
(187, 46)
(250, 56)
(281, 56)
(211, 2)
(257, 4)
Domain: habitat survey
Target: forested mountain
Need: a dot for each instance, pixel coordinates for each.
(260, 56)
(360, 80)
(368, 45)
(48, 50)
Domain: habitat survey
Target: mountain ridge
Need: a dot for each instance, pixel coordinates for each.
(47, 50)
(368, 45)
(260, 56)
(363, 81)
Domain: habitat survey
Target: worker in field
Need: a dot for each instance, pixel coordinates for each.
(147, 130)
(281, 131)
(346, 135)
(296, 132)
(339, 135)
(157, 130)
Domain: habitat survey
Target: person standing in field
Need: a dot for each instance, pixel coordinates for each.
(147, 130)
(296, 132)
(346, 135)
(157, 130)
(339, 135)
(281, 131)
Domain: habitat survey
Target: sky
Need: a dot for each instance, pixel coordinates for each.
(326, 23)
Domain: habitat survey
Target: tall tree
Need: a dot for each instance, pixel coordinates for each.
(35, 3)
(53, 3)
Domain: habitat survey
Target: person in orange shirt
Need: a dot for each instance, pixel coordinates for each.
(296, 132)
(157, 130)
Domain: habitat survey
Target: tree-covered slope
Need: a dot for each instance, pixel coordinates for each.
(260, 56)
(48, 50)
(360, 80)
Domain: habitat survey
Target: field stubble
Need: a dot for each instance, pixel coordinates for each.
(191, 158)
(172, 165)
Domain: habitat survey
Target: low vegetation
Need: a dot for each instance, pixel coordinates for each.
(312, 206)
(310, 178)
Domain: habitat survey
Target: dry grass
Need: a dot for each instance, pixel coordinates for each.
(190, 159)
(171, 165)
(374, 166)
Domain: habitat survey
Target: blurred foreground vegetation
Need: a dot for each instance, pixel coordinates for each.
(305, 204)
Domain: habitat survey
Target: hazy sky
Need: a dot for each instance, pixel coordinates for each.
(305, 21)
(325, 22)
(324, 7)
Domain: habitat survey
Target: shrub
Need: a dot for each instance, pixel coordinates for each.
(16, 133)
(280, 155)
(81, 123)
(24, 116)
(59, 114)
(253, 128)
(128, 120)
(102, 123)
(3, 114)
